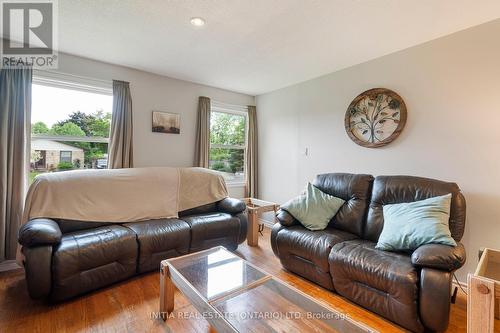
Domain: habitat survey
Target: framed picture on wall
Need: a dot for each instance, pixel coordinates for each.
(165, 122)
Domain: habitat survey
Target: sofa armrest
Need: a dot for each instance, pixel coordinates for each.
(231, 206)
(444, 257)
(37, 267)
(434, 298)
(277, 227)
(39, 232)
(286, 219)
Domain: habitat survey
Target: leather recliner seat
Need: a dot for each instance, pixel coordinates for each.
(67, 258)
(411, 289)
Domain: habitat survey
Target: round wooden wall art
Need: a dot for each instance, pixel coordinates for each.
(375, 118)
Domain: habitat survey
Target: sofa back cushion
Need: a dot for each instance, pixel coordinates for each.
(72, 225)
(399, 189)
(205, 209)
(355, 190)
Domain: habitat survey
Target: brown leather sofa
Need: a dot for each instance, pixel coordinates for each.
(67, 258)
(411, 289)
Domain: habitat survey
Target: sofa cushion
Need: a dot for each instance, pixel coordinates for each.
(89, 259)
(159, 240)
(383, 282)
(305, 252)
(313, 208)
(215, 229)
(205, 209)
(73, 225)
(412, 224)
(356, 191)
(399, 189)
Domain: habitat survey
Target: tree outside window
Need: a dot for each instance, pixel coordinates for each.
(227, 145)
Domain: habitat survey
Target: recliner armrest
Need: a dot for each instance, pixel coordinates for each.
(286, 219)
(444, 257)
(37, 266)
(231, 206)
(39, 232)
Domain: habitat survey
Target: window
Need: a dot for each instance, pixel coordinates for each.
(70, 124)
(65, 157)
(228, 142)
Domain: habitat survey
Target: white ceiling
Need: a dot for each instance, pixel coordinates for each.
(255, 46)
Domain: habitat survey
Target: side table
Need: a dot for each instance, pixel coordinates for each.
(255, 207)
(484, 293)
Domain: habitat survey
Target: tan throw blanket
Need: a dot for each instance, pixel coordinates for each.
(122, 195)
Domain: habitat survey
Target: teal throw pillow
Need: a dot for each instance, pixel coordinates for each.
(313, 209)
(410, 225)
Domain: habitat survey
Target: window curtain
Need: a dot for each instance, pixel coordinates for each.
(15, 128)
(202, 147)
(120, 150)
(251, 158)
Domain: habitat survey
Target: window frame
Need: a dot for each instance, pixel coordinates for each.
(73, 82)
(70, 156)
(219, 107)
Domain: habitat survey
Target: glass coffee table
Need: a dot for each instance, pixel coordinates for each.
(235, 296)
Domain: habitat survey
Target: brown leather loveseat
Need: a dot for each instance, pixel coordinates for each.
(411, 289)
(67, 258)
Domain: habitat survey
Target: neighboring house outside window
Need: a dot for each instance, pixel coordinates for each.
(71, 118)
(228, 128)
(49, 153)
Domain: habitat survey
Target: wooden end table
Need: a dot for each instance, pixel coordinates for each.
(484, 293)
(255, 207)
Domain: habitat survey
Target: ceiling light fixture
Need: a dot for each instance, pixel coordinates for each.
(197, 21)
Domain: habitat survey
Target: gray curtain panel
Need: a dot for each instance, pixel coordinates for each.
(252, 153)
(120, 150)
(15, 128)
(202, 147)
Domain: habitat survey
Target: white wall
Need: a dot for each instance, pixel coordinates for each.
(451, 87)
(154, 92)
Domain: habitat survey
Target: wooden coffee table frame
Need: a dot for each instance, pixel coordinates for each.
(170, 278)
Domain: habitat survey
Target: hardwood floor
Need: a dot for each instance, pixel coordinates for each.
(130, 306)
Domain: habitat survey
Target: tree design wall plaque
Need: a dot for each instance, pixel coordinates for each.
(375, 118)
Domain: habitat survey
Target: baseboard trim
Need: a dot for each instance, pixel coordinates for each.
(459, 285)
(8, 265)
(267, 223)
